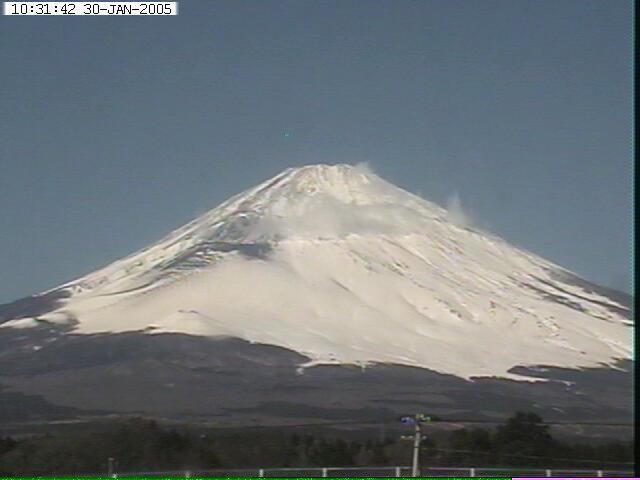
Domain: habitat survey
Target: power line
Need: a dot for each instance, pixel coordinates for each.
(577, 423)
(442, 421)
(314, 424)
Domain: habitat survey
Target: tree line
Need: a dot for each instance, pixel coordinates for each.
(141, 445)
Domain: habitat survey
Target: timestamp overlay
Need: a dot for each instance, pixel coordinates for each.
(90, 8)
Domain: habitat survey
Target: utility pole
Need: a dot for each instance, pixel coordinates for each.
(416, 420)
(111, 464)
(417, 438)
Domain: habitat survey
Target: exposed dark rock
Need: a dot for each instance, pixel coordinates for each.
(233, 382)
(32, 306)
(622, 298)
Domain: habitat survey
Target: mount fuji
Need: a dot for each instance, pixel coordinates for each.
(320, 269)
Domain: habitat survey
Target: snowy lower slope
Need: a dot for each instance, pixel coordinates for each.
(343, 267)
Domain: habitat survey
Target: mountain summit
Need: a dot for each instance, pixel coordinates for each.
(343, 267)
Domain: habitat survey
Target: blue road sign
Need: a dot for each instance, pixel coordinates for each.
(408, 420)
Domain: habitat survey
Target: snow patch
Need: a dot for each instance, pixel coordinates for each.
(20, 323)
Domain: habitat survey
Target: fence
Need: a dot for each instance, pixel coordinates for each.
(403, 471)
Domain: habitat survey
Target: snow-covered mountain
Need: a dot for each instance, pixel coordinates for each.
(343, 267)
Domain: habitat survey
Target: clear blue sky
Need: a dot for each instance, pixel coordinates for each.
(116, 130)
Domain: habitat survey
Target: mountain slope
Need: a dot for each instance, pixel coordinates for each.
(342, 267)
